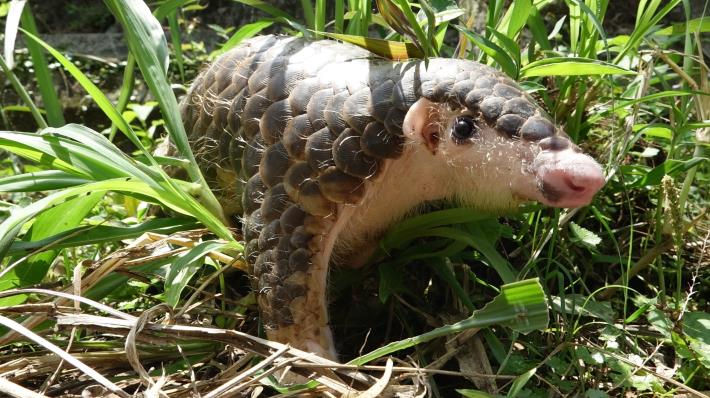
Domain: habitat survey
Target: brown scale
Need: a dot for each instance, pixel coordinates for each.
(307, 140)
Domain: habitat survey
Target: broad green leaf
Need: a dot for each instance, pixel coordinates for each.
(593, 393)
(521, 306)
(584, 236)
(577, 304)
(696, 326)
(669, 167)
(184, 268)
(568, 66)
(700, 25)
(655, 130)
(391, 281)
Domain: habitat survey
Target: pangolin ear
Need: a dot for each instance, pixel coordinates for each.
(422, 124)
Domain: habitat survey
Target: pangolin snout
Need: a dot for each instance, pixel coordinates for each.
(568, 178)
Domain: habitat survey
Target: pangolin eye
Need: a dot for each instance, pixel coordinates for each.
(464, 128)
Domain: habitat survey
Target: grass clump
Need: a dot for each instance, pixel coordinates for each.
(623, 281)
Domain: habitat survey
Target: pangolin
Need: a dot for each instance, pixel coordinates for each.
(317, 147)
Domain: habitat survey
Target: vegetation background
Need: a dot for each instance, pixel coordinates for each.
(612, 299)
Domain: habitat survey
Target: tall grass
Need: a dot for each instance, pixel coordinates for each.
(623, 277)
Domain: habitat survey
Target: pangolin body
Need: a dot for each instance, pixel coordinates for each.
(319, 146)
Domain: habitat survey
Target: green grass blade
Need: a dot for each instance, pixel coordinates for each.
(538, 30)
(624, 103)
(19, 216)
(24, 95)
(495, 10)
(275, 11)
(520, 382)
(96, 94)
(588, 46)
(444, 270)
(515, 18)
(396, 236)
(184, 268)
(58, 219)
(431, 27)
(560, 66)
(12, 22)
(243, 33)
(46, 180)
(420, 37)
(492, 50)
(147, 43)
(90, 155)
(58, 153)
(100, 234)
(575, 26)
(124, 95)
(309, 13)
(319, 17)
(366, 16)
(700, 25)
(43, 74)
(176, 42)
(522, 306)
(339, 16)
(170, 6)
(647, 20)
(475, 237)
(510, 46)
(384, 48)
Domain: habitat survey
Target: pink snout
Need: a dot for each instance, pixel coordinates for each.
(568, 178)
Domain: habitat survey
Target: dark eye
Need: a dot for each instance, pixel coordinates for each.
(464, 128)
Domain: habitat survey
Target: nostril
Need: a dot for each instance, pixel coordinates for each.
(574, 186)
